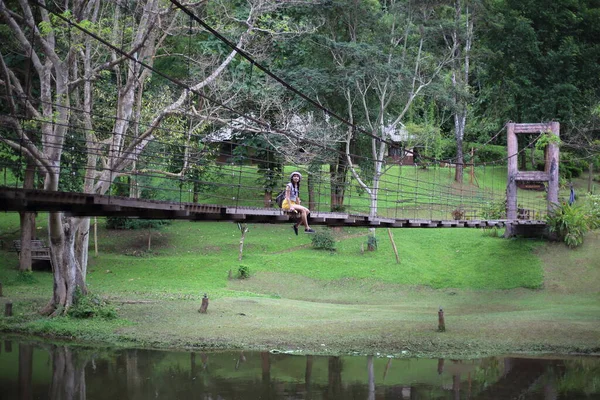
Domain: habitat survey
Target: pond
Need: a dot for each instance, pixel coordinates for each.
(34, 370)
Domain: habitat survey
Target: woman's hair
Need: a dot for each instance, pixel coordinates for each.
(292, 179)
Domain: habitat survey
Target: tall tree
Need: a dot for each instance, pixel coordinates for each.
(393, 66)
(540, 61)
(80, 80)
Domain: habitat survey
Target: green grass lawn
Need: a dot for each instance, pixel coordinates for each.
(500, 295)
(189, 258)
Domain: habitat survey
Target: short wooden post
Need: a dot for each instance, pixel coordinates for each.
(8, 309)
(204, 305)
(441, 322)
(0, 289)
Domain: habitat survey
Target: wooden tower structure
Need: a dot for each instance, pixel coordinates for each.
(549, 175)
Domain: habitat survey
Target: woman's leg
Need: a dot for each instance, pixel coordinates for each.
(304, 215)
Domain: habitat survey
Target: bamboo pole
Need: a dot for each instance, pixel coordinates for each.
(394, 246)
(96, 236)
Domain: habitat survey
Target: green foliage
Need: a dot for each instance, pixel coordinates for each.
(495, 210)
(243, 272)
(135, 223)
(571, 165)
(323, 240)
(592, 204)
(371, 242)
(546, 139)
(487, 153)
(90, 306)
(26, 277)
(569, 223)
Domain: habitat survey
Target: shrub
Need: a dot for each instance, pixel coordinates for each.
(90, 306)
(371, 243)
(323, 240)
(243, 272)
(569, 223)
(593, 211)
(495, 210)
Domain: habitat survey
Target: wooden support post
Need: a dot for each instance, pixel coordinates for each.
(204, 305)
(96, 236)
(511, 185)
(8, 309)
(394, 246)
(552, 168)
(441, 321)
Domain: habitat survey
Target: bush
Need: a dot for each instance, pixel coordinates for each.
(243, 272)
(495, 210)
(371, 243)
(323, 240)
(569, 223)
(593, 211)
(134, 223)
(90, 306)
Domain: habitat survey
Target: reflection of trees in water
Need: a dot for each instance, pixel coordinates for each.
(141, 374)
(25, 371)
(68, 374)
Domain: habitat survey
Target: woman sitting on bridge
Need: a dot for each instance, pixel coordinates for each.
(292, 202)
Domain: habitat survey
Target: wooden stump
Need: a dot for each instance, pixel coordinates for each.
(204, 305)
(8, 309)
(441, 322)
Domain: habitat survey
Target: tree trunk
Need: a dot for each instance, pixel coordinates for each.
(196, 190)
(311, 192)
(27, 220)
(67, 271)
(590, 177)
(268, 199)
(338, 178)
(460, 158)
(243, 229)
(82, 243)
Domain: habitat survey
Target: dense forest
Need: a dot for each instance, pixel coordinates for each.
(102, 86)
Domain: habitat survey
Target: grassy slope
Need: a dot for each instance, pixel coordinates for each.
(319, 302)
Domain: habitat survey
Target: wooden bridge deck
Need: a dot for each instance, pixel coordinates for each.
(82, 204)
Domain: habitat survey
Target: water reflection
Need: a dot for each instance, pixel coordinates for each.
(49, 371)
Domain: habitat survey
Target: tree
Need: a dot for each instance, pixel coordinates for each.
(391, 69)
(539, 62)
(459, 40)
(80, 81)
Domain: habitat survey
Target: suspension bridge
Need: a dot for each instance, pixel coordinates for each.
(420, 195)
(123, 165)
